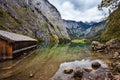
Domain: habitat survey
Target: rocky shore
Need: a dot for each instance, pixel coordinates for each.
(112, 47)
(86, 70)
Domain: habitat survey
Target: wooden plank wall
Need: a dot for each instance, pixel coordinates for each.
(9, 49)
(5, 50)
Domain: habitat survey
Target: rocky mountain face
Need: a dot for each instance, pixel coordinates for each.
(81, 29)
(112, 28)
(97, 28)
(35, 18)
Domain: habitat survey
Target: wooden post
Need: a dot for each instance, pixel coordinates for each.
(9, 51)
(0, 48)
(3, 49)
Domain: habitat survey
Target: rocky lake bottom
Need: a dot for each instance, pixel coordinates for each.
(50, 63)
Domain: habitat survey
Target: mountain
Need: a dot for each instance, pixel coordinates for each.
(35, 18)
(76, 29)
(112, 28)
(97, 28)
(83, 29)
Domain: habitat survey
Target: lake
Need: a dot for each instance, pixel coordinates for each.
(43, 63)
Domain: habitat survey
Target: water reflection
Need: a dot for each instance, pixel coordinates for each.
(44, 62)
(75, 65)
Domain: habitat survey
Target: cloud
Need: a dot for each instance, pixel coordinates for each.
(79, 10)
(84, 4)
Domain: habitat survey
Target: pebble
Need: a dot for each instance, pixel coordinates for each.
(31, 75)
(116, 55)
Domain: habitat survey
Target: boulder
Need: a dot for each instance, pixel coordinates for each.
(96, 65)
(118, 68)
(95, 43)
(99, 73)
(113, 44)
(109, 47)
(97, 46)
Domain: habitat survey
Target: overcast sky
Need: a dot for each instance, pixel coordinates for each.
(79, 10)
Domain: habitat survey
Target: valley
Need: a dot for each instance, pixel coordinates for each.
(59, 42)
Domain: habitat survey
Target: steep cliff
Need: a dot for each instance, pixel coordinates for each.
(35, 18)
(112, 28)
(97, 28)
(84, 29)
(76, 29)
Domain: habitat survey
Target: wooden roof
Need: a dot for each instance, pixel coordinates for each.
(13, 37)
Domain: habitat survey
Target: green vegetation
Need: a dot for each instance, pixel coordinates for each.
(2, 27)
(16, 20)
(112, 29)
(1, 13)
(82, 41)
(22, 20)
(40, 59)
(43, 27)
(25, 9)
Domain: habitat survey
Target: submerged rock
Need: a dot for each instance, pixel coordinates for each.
(31, 75)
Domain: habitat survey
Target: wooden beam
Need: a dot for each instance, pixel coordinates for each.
(23, 49)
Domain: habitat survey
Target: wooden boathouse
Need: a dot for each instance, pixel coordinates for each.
(12, 44)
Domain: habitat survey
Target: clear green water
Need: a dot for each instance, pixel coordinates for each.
(43, 62)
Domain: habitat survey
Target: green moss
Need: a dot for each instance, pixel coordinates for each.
(39, 40)
(53, 38)
(2, 13)
(43, 27)
(58, 31)
(59, 28)
(25, 8)
(15, 19)
(2, 27)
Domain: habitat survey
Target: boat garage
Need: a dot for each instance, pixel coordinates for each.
(11, 44)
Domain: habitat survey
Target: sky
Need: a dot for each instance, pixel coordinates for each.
(79, 10)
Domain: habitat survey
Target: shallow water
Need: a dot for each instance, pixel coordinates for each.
(43, 63)
(75, 66)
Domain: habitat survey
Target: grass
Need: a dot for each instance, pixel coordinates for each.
(82, 41)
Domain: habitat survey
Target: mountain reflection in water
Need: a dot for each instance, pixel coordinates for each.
(44, 62)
